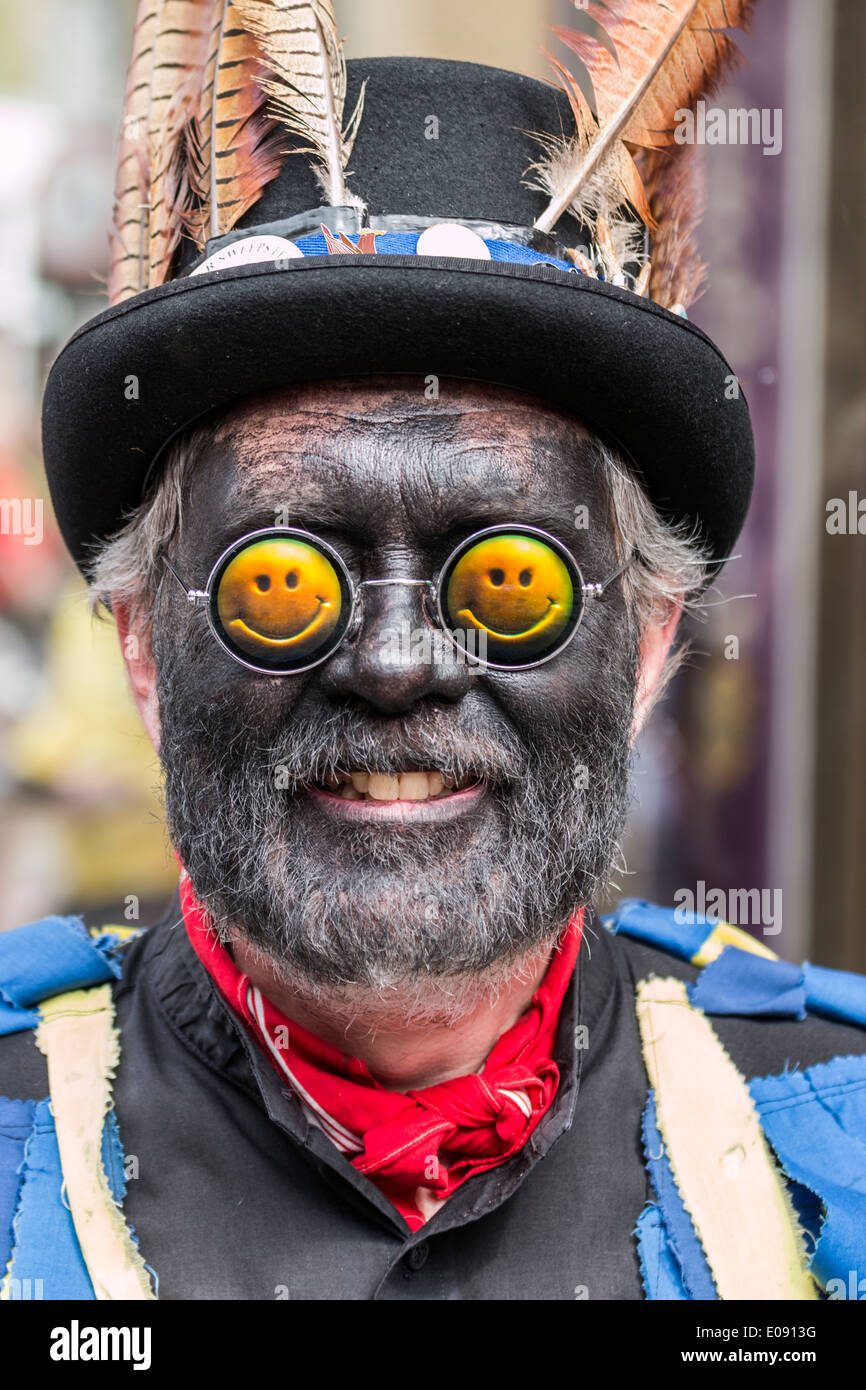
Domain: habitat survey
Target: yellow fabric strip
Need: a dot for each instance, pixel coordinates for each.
(80, 1042)
(725, 935)
(725, 1173)
(122, 933)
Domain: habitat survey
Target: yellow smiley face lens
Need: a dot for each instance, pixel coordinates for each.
(280, 602)
(514, 595)
(283, 602)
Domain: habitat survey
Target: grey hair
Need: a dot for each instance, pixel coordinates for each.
(671, 565)
(127, 568)
(673, 562)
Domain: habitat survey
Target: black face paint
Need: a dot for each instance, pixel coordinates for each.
(378, 904)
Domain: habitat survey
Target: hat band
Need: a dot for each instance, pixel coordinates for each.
(354, 220)
(340, 231)
(323, 230)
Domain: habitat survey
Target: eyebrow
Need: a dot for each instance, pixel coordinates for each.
(299, 509)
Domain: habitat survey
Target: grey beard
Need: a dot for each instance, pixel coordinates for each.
(346, 908)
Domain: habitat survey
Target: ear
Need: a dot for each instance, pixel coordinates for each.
(654, 647)
(140, 668)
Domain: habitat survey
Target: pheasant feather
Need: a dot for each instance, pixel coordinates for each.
(306, 80)
(668, 54)
(236, 147)
(163, 75)
(132, 181)
(171, 190)
(675, 184)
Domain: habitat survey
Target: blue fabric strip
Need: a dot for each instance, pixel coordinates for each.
(810, 1214)
(49, 957)
(15, 1020)
(659, 1269)
(836, 993)
(17, 1118)
(112, 1157)
(42, 1214)
(738, 982)
(46, 1247)
(684, 1244)
(816, 1122)
(660, 926)
(405, 244)
(113, 1163)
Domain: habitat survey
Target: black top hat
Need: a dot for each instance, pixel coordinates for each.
(297, 290)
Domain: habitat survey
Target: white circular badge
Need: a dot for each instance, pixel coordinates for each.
(249, 250)
(450, 239)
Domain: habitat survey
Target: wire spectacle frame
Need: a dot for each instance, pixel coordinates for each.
(349, 620)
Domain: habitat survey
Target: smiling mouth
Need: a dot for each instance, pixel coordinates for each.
(397, 798)
(395, 786)
(313, 626)
(546, 620)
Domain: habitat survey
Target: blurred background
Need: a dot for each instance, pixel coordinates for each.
(752, 774)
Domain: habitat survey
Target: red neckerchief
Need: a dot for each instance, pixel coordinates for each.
(418, 1147)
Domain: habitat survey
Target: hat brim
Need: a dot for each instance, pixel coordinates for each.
(647, 379)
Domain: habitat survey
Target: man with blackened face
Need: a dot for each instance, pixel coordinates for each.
(401, 829)
(388, 831)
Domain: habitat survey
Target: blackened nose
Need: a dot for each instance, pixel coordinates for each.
(397, 656)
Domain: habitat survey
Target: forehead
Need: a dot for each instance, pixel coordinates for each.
(364, 449)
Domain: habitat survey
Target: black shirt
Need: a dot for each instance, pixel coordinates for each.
(234, 1195)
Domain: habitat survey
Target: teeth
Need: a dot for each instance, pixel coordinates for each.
(381, 787)
(414, 786)
(385, 786)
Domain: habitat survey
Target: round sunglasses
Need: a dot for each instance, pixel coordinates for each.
(281, 600)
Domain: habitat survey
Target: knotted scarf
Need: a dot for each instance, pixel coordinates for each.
(418, 1147)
